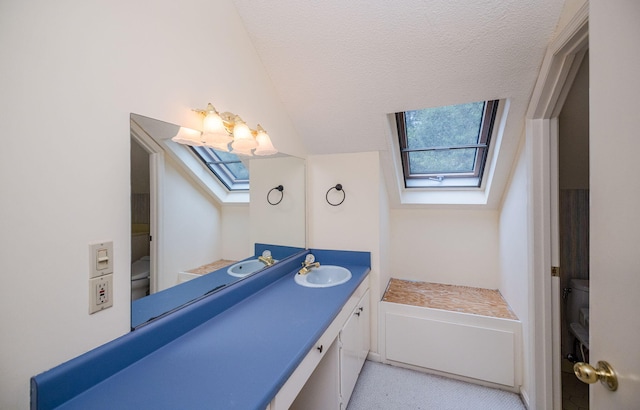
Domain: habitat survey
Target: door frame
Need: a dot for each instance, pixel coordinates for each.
(559, 67)
(156, 184)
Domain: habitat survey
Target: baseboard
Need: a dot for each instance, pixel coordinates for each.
(525, 398)
(374, 357)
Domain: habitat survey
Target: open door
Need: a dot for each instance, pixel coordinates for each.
(612, 30)
(615, 199)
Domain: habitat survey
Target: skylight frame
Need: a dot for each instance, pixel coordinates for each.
(219, 168)
(471, 179)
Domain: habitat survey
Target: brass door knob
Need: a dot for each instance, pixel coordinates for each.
(604, 372)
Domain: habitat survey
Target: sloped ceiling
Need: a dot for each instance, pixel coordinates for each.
(340, 66)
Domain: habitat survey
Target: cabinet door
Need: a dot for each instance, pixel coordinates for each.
(364, 321)
(354, 347)
(350, 354)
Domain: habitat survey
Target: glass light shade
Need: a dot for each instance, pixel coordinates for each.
(212, 124)
(265, 147)
(241, 131)
(216, 141)
(242, 138)
(188, 136)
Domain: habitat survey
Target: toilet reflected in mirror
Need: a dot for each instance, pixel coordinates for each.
(140, 278)
(578, 317)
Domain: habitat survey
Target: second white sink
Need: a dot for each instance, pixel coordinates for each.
(242, 269)
(324, 276)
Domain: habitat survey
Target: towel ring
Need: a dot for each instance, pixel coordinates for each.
(338, 188)
(278, 188)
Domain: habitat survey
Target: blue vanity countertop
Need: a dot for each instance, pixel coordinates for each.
(239, 359)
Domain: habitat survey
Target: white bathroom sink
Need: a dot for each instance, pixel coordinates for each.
(244, 268)
(324, 276)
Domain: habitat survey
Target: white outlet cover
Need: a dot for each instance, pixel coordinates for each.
(100, 293)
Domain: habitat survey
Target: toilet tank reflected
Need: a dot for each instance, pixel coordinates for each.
(140, 278)
(578, 315)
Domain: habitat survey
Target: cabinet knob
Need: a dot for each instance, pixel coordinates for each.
(320, 348)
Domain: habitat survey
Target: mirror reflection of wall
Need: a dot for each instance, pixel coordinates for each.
(196, 224)
(282, 223)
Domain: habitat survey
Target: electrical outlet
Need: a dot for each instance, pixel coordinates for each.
(100, 293)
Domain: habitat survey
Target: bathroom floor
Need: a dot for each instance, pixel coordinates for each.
(464, 299)
(385, 387)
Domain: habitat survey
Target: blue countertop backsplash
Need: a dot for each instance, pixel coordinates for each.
(233, 349)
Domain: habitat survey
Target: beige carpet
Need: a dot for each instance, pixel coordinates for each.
(384, 387)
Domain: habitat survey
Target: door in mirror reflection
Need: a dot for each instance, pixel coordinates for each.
(140, 221)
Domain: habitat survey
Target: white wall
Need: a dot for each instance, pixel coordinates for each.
(458, 247)
(236, 232)
(71, 72)
(513, 248)
(354, 225)
(192, 226)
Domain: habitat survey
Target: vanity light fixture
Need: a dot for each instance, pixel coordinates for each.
(221, 130)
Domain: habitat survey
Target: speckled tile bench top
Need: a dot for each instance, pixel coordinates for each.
(476, 301)
(204, 269)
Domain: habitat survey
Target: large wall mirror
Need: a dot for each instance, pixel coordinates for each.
(190, 234)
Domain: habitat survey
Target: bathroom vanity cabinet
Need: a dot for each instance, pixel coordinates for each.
(326, 377)
(253, 345)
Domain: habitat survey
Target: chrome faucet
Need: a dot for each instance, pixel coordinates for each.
(308, 264)
(266, 258)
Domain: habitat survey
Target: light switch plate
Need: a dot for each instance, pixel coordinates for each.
(100, 293)
(100, 259)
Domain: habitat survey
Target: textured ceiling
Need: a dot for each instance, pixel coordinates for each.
(341, 66)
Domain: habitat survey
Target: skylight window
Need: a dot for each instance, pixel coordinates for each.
(226, 166)
(446, 146)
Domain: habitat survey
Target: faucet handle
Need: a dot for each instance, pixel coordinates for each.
(266, 254)
(309, 259)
